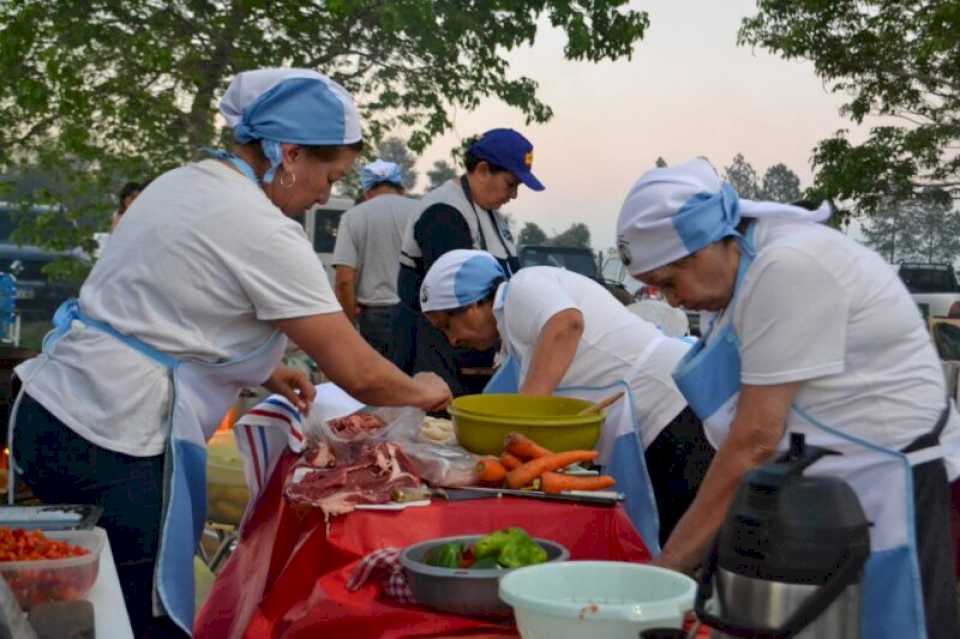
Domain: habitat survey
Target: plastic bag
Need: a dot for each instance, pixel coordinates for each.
(442, 465)
(398, 422)
(437, 464)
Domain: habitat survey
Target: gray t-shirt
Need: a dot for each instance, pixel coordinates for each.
(369, 241)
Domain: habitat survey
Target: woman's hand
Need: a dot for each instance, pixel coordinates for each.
(294, 385)
(436, 393)
(667, 560)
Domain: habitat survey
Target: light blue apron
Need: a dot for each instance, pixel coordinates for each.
(201, 395)
(620, 445)
(709, 377)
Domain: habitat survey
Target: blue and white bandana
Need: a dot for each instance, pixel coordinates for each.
(459, 278)
(673, 212)
(292, 106)
(378, 172)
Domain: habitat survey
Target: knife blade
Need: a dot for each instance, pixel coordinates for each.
(602, 498)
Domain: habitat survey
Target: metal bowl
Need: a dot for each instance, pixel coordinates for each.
(472, 593)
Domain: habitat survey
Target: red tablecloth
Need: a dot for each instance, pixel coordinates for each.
(287, 578)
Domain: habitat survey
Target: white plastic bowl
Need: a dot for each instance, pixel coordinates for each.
(607, 599)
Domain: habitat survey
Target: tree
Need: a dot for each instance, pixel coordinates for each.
(926, 229)
(441, 172)
(578, 235)
(660, 163)
(531, 235)
(128, 88)
(893, 59)
(780, 184)
(884, 232)
(393, 149)
(743, 177)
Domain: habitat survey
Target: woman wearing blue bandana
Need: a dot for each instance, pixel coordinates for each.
(565, 333)
(813, 333)
(204, 282)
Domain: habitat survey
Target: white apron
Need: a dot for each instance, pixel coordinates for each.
(709, 377)
(620, 445)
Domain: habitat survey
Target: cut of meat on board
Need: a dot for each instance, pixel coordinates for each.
(380, 471)
(357, 424)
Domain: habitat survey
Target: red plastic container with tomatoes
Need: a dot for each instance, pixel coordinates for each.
(44, 566)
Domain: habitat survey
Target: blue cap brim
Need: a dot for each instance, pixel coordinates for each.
(530, 180)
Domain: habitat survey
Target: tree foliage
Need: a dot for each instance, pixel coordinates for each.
(441, 172)
(102, 90)
(531, 235)
(577, 235)
(900, 60)
(780, 184)
(926, 229)
(743, 177)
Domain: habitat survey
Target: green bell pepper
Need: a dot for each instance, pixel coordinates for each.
(445, 556)
(512, 548)
(491, 545)
(521, 551)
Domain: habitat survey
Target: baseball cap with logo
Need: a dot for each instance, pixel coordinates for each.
(509, 150)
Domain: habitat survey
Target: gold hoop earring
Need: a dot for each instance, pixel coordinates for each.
(293, 180)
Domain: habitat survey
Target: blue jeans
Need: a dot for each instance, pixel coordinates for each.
(60, 467)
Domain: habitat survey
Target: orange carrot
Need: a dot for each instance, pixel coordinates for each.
(509, 461)
(559, 482)
(491, 470)
(520, 477)
(524, 447)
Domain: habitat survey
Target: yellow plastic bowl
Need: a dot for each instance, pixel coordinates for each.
(482, 422)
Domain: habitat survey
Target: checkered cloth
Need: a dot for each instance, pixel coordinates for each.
(385, 565)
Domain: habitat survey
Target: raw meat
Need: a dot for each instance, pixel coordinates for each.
(380, 471)
(357, 424)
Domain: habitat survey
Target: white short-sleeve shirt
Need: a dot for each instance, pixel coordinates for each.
(198, 268)
(819, 308)
(614, 341)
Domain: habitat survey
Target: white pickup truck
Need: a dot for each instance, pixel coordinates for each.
(934, 288)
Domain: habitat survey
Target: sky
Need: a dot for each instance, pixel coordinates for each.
(689, 90)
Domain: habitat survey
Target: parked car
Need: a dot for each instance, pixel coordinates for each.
(934, 288)
(576, 259)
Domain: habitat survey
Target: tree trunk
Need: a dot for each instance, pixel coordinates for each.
(201, 116)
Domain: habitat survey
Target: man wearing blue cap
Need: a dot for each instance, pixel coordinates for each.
(367, 252)
(460, 214)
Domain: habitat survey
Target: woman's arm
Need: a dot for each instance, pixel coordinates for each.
(757, 429)
(556, 347)
(351, 363)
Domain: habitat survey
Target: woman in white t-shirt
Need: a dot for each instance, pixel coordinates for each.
(192, 301)
(812, 333)
(565, 330)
